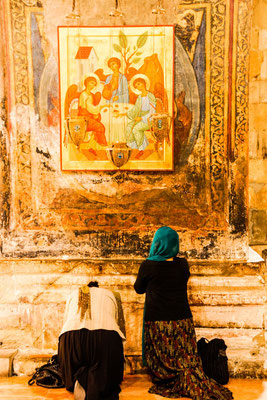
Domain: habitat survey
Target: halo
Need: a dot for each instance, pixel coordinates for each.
(146, 79)
(181, 17)
(185, 13)
(109, 57)
(88, 76)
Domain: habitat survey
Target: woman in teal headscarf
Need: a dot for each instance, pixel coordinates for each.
(169, 339)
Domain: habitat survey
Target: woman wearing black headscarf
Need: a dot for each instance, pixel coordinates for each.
(169, 339)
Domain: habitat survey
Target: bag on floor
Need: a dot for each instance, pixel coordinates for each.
(48, 375)
(214, 359)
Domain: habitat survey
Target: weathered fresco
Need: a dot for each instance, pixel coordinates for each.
(257, 129)
(116, 212)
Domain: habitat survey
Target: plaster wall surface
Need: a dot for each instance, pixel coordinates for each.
(60, 229)
(47, 211)
(257, 130)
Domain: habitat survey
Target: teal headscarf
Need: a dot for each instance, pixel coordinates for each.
(165, 244)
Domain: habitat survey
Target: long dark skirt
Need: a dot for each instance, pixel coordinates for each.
(95, 359)
(176, 368)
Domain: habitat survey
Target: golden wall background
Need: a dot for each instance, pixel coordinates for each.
(257, 128)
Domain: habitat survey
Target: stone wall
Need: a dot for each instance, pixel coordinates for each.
(257, 130)
(227, 300)
(60, 229)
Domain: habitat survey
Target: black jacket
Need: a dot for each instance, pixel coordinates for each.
(165, 285)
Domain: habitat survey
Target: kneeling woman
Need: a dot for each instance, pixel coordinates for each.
(170, 347)
(90, 348)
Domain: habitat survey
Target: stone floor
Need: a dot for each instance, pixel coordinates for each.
(134, 387)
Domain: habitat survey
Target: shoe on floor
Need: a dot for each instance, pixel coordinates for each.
(79, 392)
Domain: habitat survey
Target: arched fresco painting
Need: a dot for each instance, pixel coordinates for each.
(187, 102)
(190, 80)
(188, 86)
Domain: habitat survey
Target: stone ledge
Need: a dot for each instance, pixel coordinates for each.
(246, 364)
(26, 362)
(110, 266)
(242, 363)
(6, 362)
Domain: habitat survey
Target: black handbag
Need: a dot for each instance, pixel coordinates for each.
(214, 359)
(48, 375)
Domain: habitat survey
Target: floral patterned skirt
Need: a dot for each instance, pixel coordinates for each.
(176, 368)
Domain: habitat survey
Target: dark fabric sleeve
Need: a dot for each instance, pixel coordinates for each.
(140, 284)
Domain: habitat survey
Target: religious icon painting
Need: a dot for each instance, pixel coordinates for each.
(116, 97)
